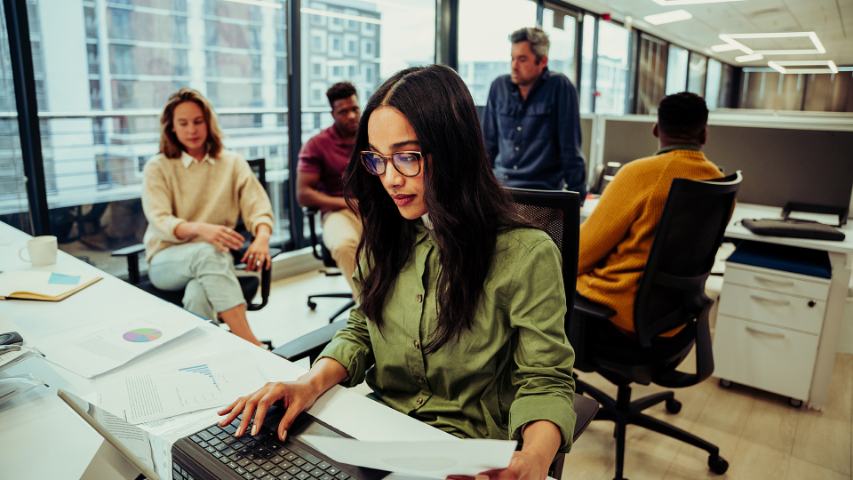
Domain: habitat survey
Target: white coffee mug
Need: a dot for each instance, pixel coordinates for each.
(41, 250)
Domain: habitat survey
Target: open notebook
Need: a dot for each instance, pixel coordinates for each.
(47, 286)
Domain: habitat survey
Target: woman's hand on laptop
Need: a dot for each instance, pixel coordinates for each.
(296, 396)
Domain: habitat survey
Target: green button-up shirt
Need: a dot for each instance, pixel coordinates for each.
(513, 367)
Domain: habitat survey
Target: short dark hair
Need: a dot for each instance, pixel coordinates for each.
(683, 115)
(339, 91)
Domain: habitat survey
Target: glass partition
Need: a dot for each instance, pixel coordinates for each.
(651, 78)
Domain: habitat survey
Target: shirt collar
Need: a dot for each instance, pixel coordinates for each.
(686, 146)
(188, 159)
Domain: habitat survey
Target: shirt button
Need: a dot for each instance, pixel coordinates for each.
(416, 343)
(516, 149)
(518, 128)
(515, 167)
(419, 401)
(419, 298)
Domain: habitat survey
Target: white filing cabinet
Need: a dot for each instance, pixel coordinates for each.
(768, 327)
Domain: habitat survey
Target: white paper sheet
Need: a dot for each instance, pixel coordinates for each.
(157, 395)
(422, 459)
(90, 351)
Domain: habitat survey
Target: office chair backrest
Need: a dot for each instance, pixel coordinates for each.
(672, 290)
(259, 166)
(557, 212)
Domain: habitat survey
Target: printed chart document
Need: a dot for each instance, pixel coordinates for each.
(95, 349)
(156, 395)
(431, 459)
(46, 286)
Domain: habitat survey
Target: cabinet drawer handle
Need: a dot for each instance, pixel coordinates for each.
(771, 281)
(765, 332)
(774, 301)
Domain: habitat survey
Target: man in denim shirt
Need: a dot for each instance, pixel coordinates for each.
(531, 122)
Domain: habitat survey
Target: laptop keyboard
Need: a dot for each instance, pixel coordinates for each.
(262, 457)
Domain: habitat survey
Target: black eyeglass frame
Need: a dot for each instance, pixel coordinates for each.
(391, 157)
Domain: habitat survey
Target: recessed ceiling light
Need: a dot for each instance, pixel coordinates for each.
(733, 40)
(669, 3)
(724, 47)
(749, 57)
(668, 17)
(817, 66)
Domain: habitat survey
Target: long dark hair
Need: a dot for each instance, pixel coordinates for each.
(466, 205)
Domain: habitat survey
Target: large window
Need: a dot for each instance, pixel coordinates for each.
(696, 72)
(13, 190)
(770, 90)
(484, 46)
(651, 79)
(611, 82)
(105, 79)
(561, 27)
(676, 70)
(380, 39)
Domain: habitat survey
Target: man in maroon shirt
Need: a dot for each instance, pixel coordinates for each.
(322, 162)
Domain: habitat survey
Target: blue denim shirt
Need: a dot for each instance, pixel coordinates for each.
(535, 143)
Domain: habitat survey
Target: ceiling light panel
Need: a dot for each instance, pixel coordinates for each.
(749, 57)
(668, 17)
(803, 66)
(739, 40)
(672, 3)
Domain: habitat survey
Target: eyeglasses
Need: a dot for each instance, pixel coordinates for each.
(407, 163)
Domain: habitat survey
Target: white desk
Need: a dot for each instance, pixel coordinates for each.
(840, 255)
(41, 437)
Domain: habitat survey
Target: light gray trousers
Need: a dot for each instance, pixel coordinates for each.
(211, 286)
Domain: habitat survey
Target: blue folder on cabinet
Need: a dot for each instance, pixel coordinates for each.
(804, 261)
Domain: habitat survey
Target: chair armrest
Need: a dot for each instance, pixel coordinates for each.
(311, 344)
(585, 411)
(584, 311)
(131, 253)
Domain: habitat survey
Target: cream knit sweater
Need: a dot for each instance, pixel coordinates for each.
(217, 191)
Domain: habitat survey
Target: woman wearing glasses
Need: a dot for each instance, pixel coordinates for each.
(460, 322)
(193, 193)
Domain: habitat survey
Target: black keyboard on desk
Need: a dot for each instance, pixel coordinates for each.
(214, 452)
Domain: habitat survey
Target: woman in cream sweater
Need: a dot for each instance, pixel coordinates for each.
(193, 193)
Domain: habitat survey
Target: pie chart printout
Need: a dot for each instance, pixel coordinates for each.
(142, 335)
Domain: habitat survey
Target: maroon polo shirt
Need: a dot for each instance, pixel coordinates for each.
(328, 154)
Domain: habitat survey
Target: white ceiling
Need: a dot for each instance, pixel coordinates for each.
(831, 20)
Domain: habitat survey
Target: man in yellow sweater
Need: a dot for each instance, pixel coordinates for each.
(616, 239)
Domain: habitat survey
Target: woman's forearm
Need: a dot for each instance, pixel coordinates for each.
(542, 439)
(325, 374)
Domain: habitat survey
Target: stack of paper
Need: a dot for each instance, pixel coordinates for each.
(47, 286)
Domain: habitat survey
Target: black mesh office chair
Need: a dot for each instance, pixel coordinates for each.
(555, 212)
(330, 268)
(249, 284)
(671, 295)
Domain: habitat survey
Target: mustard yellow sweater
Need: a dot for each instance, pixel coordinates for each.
(616, 239)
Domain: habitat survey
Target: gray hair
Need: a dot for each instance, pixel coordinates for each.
(538, 39)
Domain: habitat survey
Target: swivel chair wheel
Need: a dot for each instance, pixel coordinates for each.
(312, 305)
(718, 464)
(725, 383)
(673, 406)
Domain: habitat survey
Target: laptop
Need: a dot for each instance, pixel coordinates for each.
(214, 453)
(131, 442)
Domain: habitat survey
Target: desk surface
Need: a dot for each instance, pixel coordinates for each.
(38, 421)
(748, 210)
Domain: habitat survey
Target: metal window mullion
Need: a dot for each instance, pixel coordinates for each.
(294, 120)
(20, 50)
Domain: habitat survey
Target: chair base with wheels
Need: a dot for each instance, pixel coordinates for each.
(330, 268)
